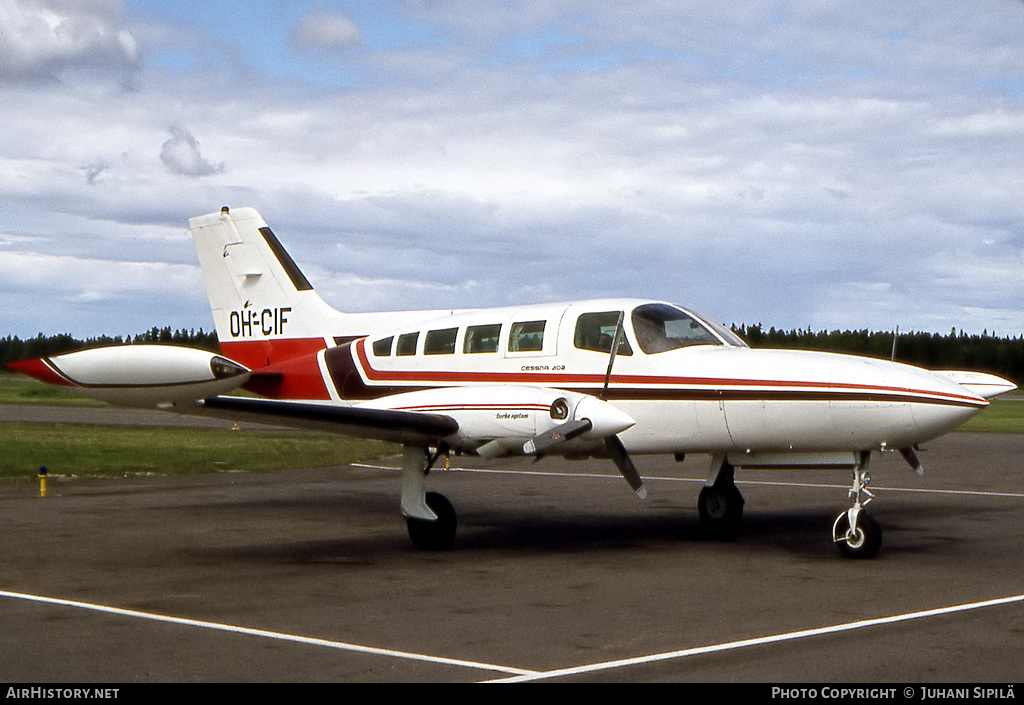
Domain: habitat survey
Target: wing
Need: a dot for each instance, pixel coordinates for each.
(379, 424)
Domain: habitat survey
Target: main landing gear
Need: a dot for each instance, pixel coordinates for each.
(856, 533)
(429, 516)
(720, 504)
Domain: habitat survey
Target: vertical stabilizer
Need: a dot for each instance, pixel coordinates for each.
(264, 308)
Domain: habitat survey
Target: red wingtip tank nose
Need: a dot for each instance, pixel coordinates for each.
(37, 368)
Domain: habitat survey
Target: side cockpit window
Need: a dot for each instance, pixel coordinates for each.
(595, 331)
(660, 327)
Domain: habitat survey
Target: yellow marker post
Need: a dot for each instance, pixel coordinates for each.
(42, 480)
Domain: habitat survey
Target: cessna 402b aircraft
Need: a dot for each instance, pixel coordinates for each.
(610, 378)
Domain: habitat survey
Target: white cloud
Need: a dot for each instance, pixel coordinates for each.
(181, 155)
(74, 292)
(326, 31)
(783, 163)
(43, 39)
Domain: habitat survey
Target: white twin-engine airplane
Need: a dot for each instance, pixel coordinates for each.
(609, 378)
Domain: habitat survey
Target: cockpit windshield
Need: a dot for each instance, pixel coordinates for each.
(661, 327)
(724, 333)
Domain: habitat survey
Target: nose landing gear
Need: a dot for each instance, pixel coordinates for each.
(856, 533)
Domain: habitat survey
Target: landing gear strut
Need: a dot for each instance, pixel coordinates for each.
(856, 533)
(720, 504)
(429, 516)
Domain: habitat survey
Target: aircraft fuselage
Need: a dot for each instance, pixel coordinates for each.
(709, 395)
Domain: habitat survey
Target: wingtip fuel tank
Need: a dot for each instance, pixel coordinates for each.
(138, 375)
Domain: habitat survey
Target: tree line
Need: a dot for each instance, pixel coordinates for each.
(13, 348)
(955, 351)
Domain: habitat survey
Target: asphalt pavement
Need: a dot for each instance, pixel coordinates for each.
(559, 574)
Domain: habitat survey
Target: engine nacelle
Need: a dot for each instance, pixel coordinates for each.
(502, 417)
(138, 375)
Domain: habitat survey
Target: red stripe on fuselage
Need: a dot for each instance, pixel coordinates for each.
(294, 373)
(475, 407)
(783, 389)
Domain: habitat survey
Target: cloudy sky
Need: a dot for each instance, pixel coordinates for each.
(791, 162)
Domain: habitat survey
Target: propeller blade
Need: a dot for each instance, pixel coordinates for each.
(543, 442)
(910, 455)
(624, 463)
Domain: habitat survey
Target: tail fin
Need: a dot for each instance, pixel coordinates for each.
(264, 308)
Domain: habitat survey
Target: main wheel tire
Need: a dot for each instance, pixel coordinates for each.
(437, 534)
(864, 542)
(721, 509)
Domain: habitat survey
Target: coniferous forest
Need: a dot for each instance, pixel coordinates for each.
(13, 348)
(956, 350)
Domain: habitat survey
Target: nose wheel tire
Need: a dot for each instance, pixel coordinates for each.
(437, 534)
(863, 541)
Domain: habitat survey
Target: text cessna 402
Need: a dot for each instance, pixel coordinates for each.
(610, 378)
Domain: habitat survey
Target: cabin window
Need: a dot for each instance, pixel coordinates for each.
(527, 336)
(482, 339)
(382, 347)
(407, 344)
(440, 342)
(595, 331)
(660, 327)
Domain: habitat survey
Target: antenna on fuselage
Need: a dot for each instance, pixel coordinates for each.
(895, 335)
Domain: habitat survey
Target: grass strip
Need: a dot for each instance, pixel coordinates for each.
(1002, 416)
(110, 451)
(18, 389)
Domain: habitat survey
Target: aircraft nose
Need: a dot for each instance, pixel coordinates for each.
(938, 404)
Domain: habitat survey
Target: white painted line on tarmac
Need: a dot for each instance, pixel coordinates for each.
(267, 634)
(522, 675)
(658, 478)
(743, 643)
